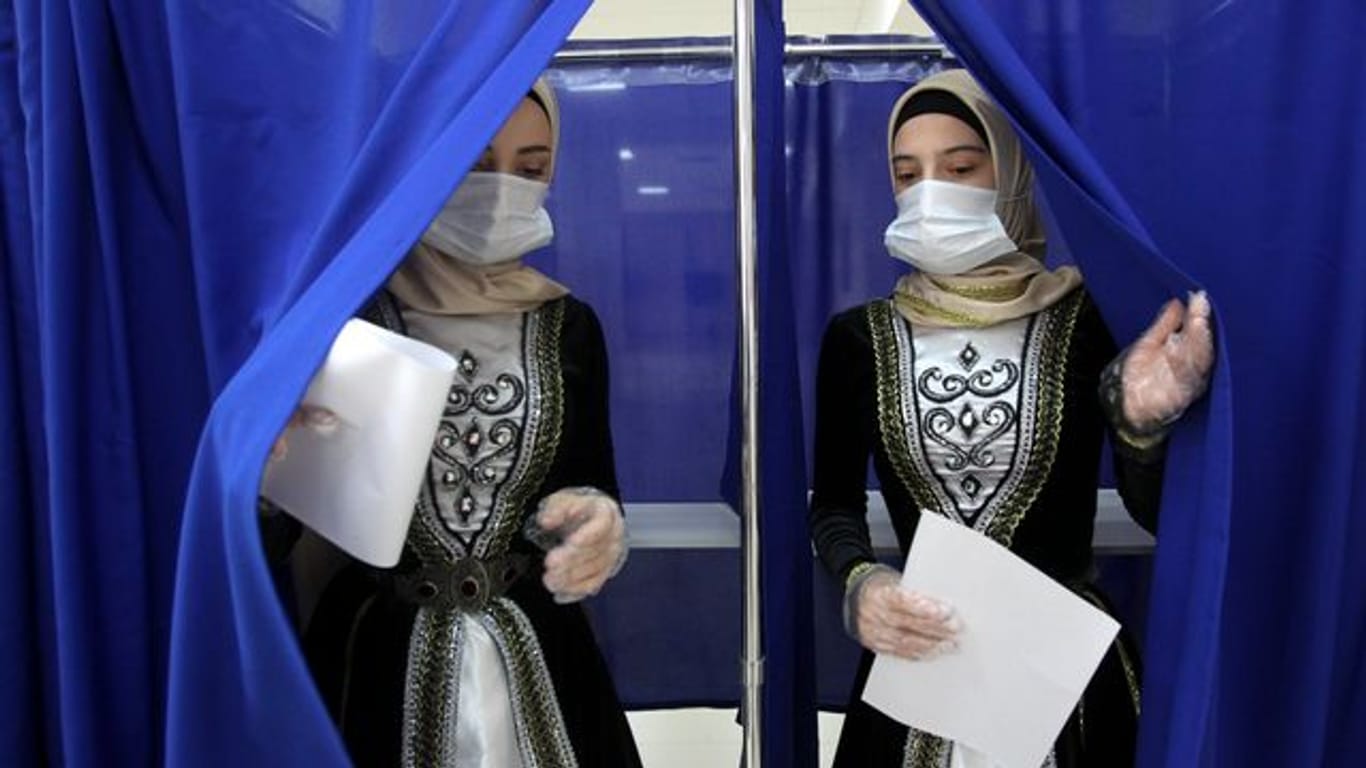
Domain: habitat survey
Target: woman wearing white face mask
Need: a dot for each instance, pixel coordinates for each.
(982, 389)
(473, 651)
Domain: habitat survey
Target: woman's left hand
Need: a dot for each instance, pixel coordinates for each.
(317, 418)
(594, 544)
(1169, 367)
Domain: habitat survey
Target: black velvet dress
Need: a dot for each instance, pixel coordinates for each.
(1000, 429)
(392, 649)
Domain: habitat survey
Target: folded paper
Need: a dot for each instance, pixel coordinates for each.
(1027, 649)
(356, 480)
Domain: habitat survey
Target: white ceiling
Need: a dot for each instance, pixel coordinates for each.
(618, 19)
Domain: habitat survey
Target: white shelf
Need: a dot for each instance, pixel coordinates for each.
(714, 525)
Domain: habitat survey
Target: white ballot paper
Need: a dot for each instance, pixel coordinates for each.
(1027, 649)
(356, 484)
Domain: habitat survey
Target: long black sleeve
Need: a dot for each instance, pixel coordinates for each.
(1139, 471)
(844, 442)
(1138, 476)
(589, 458)
(279, 531)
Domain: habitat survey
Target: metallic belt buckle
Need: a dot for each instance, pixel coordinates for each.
(469, 588)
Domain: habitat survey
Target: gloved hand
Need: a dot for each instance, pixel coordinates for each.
(585, 537)
(314, 417)
(1168, 368)
(885, 618)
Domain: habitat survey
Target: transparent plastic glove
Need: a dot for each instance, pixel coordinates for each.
(1169, 367)
(584, 536)
(885, 618)
(321, 420)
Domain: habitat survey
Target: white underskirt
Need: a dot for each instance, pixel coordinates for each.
(485, 729)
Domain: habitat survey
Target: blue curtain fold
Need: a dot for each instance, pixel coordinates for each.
(110, 397)
(1193, 112)
(21, 683)
(465, 74)
(195, 196)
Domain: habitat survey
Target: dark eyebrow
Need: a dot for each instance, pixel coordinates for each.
(965, 148)
(949, 151)
(533, 150)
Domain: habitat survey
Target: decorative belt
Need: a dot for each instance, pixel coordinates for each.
(466, 585)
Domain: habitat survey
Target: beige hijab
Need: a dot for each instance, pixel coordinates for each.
(1013, 286)
(429, 281)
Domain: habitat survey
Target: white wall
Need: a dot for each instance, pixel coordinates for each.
(618, 19)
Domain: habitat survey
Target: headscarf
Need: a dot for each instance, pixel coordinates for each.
(429, 281)
(1013, 286)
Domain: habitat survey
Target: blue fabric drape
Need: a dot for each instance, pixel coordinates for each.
(467, 66)
(22, 682)
(1238, 148)
(111, 390)
(196, 196)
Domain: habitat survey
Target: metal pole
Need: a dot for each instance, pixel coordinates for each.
(747, 251)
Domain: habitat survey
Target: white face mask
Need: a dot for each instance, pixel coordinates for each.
(492, 218)
(947, 229)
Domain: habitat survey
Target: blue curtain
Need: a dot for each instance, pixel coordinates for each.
(196, 196)
(25, 598)
(1217, 133)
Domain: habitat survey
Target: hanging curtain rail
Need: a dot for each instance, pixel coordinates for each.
(715, 51)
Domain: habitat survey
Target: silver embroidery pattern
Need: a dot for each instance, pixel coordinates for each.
(968, 415)
(541, 733)
(432, 691)
(481, 438)
(542, 425)
(507, 422)
(926, 751)
(1042, 332)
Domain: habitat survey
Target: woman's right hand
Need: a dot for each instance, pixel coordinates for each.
(312, 416)
(890, 619)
